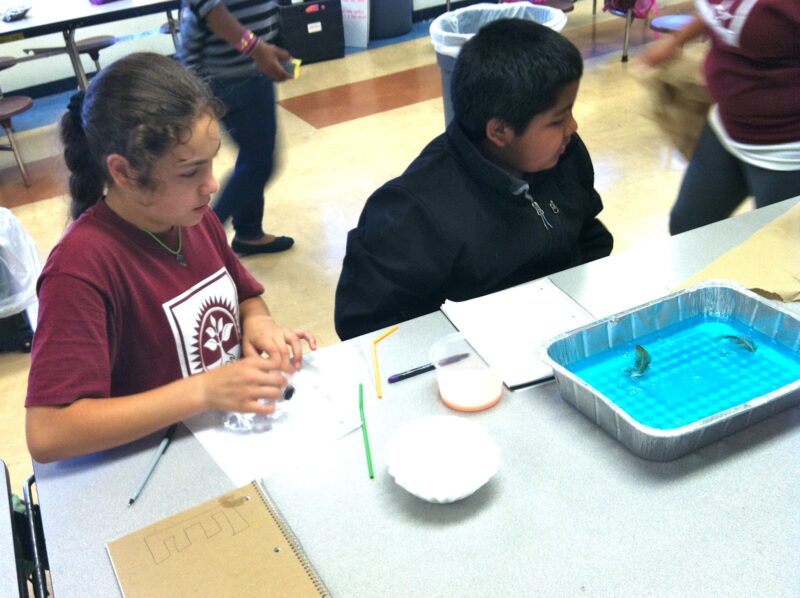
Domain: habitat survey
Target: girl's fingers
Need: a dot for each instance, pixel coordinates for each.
(308, 337)
(264, 407)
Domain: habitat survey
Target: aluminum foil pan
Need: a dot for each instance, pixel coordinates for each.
(716, 298)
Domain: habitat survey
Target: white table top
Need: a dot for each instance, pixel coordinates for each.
(571, 511)
(54, 16)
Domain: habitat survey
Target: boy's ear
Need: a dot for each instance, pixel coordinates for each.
(120, 170)
(499, 132)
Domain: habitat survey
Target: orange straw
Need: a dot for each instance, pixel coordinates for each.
(375, 359)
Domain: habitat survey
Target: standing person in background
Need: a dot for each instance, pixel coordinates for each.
(751, 142)
(227, 42)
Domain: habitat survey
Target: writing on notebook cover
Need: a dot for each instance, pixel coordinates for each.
(222, 520)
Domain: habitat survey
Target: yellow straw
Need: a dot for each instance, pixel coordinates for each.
(375, 359)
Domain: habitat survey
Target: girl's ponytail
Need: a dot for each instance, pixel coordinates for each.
(86, 179)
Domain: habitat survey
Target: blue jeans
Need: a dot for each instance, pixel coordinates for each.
(716, 182)
(250, 121)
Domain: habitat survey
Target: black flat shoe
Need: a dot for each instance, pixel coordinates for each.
(276, 246)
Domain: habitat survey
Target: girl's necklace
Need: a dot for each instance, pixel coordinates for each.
(176, 252)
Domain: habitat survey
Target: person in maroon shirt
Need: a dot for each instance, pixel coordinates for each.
(750, 145)
(146, 316)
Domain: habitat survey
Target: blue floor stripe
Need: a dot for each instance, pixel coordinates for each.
(45, 111)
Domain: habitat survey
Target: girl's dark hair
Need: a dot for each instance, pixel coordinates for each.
(512, 69)
(138, 107)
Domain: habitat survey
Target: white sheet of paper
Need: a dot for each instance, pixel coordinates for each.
(509, 328)
(323, 409)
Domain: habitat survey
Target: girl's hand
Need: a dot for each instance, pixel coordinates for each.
(283, 348)
(268, 60)
(660, 52)
(238, 386)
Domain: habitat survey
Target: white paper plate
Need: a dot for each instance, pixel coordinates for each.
(443, 458)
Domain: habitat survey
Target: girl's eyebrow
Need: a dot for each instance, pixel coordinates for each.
(183, 162)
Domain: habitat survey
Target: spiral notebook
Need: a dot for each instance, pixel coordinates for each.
(234, 545)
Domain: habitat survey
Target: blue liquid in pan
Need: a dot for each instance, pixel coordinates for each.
(693, 372)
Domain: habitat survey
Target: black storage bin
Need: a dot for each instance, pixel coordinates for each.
(389, 18)
(16, 333)
(312, 31)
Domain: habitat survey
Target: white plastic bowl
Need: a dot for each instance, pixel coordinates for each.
(442, 459)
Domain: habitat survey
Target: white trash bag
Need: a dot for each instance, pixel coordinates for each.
(451, 30)
(19, 266)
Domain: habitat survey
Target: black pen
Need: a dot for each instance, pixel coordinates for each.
(162, 448)
(428, 367)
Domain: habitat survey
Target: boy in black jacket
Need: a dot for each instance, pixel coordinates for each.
(506, 195)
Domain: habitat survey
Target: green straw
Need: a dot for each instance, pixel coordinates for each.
(364, 429)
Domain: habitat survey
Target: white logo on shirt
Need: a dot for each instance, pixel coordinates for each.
(216, 336)
(726, 20)
(205, 324)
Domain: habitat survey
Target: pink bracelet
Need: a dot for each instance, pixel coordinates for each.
(248, 42)
(249, 50)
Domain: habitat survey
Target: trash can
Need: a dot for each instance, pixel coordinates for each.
(389, 18)
(451, 30)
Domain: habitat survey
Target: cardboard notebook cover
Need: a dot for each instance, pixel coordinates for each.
(234, 545)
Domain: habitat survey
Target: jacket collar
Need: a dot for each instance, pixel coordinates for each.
(482, 168)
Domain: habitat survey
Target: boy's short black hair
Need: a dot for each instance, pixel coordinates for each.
(512, 69)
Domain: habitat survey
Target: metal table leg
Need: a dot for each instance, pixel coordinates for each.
(77, 66)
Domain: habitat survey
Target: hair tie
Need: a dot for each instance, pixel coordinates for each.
(75, 107)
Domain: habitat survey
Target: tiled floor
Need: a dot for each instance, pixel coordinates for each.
(347, 126)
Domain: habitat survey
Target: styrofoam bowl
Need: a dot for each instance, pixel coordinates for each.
(442, 459)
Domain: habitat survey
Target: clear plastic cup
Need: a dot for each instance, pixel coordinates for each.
(253, 422)
(466, 383)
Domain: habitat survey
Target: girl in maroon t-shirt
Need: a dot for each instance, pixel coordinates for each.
(146, 316)
(751, 143)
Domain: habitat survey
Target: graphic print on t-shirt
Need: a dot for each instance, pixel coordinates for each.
(726, 17)
(205, 324)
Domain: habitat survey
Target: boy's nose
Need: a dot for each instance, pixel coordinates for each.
(572, 125)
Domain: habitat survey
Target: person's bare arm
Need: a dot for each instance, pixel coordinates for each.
(267, 57)
(89, 424)
(670, 45)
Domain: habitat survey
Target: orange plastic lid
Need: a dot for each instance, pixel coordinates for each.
(470, 406)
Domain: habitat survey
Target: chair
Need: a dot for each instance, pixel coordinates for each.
(171, 27)
(11, 540)
(670, 23)
(38, 550)
(629, 16)
(90, 46)
(11, 106)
